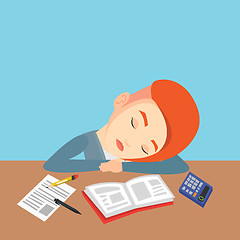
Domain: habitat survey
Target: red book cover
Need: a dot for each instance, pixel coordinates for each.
(115, 217)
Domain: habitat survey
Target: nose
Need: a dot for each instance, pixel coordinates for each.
(127, 143)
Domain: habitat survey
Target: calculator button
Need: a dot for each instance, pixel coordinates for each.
(193, 178)
(191, 181)
(187, 190)
(195, 184)
(189, 185)
(196, 190)
(190, 192)
(188, 179)
(190, 176)
(197, 181)
(193, 187)
(200, 184)
(201, 198)
(194, 195)
(183, 188)
(186, 183)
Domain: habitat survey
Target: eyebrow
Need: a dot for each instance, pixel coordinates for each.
(155, 145)
(144, 118)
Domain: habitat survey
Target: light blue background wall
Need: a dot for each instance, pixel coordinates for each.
(62, 63)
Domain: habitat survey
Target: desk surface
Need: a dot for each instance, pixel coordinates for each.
(219, 219)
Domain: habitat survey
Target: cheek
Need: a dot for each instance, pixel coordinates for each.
(119, 126)
(114, 131)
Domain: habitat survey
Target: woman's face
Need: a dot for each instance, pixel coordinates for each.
(135, 130)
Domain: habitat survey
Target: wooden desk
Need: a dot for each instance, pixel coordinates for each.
(219, 219)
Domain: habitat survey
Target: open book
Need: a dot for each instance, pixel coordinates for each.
(112, 200)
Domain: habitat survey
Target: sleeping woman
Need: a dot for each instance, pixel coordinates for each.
(145, 133)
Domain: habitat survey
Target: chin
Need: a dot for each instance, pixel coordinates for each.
(118, 154)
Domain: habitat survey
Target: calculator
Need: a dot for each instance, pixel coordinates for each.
(195, 189)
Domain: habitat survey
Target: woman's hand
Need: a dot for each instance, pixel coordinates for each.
(112, 166)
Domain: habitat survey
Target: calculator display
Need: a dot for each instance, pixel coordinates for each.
(203, 193)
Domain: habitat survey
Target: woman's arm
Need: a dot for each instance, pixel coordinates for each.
(60, 161)
(172, 165)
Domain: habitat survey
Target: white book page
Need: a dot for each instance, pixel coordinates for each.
(149, 190)
(40, 200)
(110, 198)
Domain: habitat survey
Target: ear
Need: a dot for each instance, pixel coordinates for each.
(121, 100)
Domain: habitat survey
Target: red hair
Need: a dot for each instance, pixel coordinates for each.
(180, 113)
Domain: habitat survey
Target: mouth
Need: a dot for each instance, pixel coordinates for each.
(119, 145)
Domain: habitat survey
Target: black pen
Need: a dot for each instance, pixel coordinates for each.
(57, 201)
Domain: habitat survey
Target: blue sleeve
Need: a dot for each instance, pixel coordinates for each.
(61, 160)
(172, 165)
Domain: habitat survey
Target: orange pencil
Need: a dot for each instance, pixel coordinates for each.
(63, 181)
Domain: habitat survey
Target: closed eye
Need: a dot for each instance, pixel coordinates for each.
(144, 150)
(132, 123)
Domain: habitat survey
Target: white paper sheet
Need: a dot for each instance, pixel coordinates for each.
(40, 200)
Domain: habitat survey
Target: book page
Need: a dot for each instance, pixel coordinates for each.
(149, 190)
(40, 200)
(110, 198)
